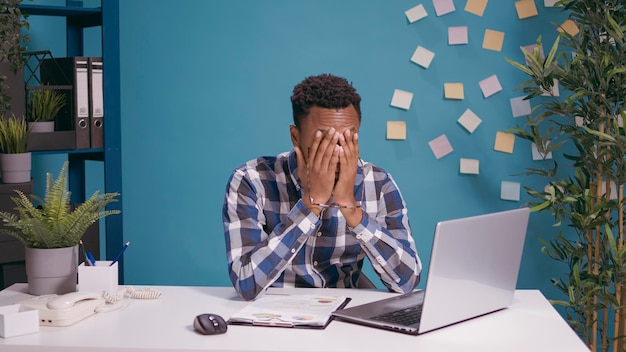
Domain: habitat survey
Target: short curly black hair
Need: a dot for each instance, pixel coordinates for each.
(326, 91)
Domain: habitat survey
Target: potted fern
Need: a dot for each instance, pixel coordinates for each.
(51, 231)
(42, 108)
(15, 159)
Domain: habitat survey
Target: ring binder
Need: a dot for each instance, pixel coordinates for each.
(96, 102)
(71, 71)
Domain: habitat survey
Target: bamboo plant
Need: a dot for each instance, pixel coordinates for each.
(584, 131)
(12, 48)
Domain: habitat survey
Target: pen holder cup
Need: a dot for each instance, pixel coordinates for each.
(98, 278)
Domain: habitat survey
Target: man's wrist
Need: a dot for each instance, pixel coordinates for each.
(353, 216)
(315, 209)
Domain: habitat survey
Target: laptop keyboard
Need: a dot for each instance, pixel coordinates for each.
(405, 316)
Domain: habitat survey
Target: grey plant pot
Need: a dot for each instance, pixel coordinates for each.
(51, 271)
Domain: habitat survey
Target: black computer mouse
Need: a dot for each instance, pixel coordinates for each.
(210, 324)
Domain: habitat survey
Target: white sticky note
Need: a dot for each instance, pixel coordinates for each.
(537, 155)
(549, 3)
(555, 89)
(509, 190)
(422, 56)
(469, 120)
(490, 86)
(416, 13)
(469, 166)
(579, 121)
(443, 7)
(457, 35)
(520, 107)
(440, 146)
(401, 99)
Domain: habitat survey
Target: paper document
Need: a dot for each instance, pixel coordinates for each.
(291, 311)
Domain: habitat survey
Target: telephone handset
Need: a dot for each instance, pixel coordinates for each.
(64, 310)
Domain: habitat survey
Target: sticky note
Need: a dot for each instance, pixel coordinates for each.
(555, 89)
(613, 191)
(469, 120)
(537, 155)
(569, 26)
(520, 107)
(401, 99)
(469, 166)
(509, 190)
(477, 7)
(396, 130)
(579, 121)
(504, 142)
(526, 9)
(416, 13)
(453, 90)
(529, 48)
(443, 7)
(457, 35)
(490, 86)
(422, 56)
(493, 40)
(549, 3)
(440, 146)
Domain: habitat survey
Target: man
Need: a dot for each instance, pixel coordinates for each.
(308, 217)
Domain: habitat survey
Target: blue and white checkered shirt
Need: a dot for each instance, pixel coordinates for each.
(273, 239)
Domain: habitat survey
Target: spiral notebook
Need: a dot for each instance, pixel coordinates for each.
(290, 311)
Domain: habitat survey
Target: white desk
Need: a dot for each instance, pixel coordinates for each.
(530, 324)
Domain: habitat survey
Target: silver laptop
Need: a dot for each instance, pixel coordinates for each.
(473, 271)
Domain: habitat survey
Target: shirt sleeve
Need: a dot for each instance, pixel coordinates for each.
(257, 258)
(386, 239)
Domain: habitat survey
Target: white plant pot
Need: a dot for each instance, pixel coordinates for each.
(41, 126)
(15, 168)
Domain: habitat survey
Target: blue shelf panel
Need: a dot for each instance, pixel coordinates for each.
(79, 16)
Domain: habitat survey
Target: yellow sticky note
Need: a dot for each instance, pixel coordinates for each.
(396, 130)
(493, 40)
(477, 7)
(526, 8)
(504, 142)
(570, 27)
(453, 90)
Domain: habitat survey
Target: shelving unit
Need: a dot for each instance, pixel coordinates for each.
(77, 19)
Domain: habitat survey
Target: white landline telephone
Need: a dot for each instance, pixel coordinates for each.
(65, 310)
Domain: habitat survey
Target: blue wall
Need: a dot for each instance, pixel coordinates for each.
(206, 84)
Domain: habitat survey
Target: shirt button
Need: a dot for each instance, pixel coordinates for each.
(293, 250)
(315, 263)
(358, 237)
(319, 234)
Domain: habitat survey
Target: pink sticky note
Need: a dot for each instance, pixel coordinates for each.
(440, 146)
(457, 35)
(490, 86)
(443, 7)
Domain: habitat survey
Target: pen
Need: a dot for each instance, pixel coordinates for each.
(119, 255)
(83, 253)
(92, 260)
